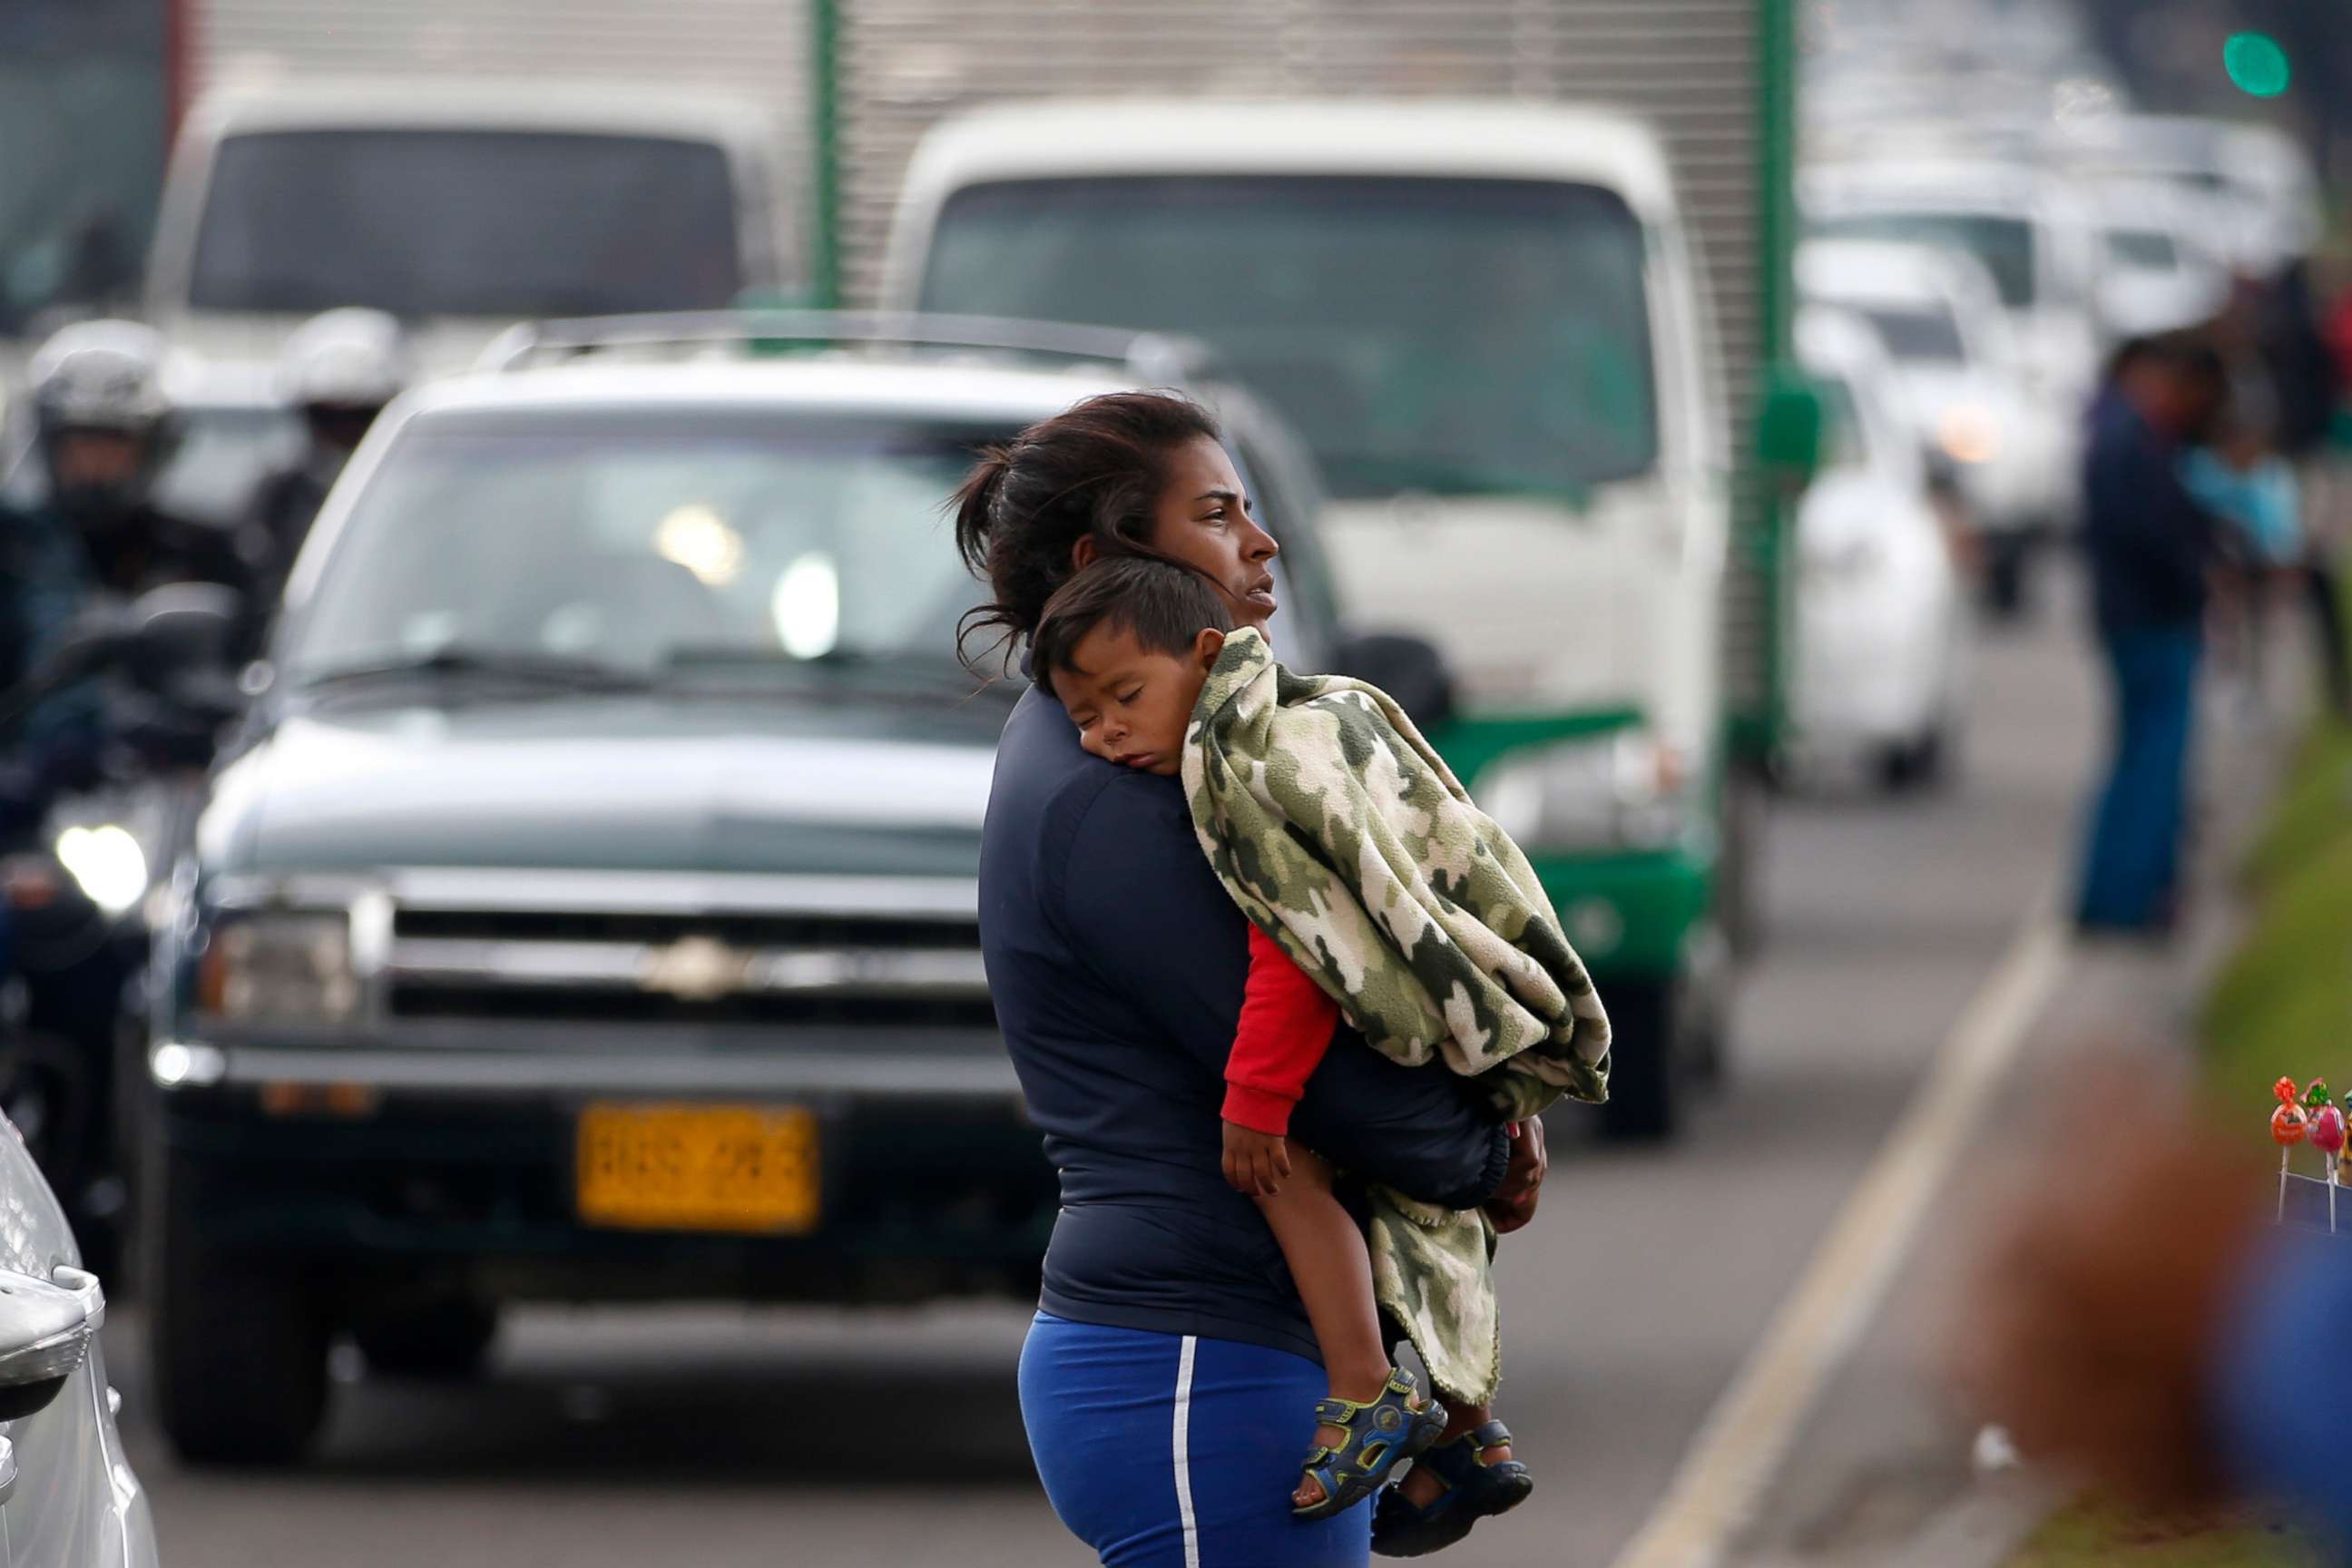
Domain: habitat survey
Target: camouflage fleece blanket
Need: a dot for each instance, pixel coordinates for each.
(1345, 838)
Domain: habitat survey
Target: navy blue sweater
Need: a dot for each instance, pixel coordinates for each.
(2150, 543)
(1117, 961)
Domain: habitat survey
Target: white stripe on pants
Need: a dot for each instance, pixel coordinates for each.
(1183, 1445)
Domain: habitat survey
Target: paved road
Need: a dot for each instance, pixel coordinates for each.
(723, 1438)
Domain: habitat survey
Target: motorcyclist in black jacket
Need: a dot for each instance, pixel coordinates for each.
(339, 370)
(88, 533)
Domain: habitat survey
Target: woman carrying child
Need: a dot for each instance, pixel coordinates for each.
(1166, 1379)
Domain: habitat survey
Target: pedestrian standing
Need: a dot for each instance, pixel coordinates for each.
(2152, 549)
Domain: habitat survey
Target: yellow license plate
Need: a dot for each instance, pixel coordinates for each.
(699, 1167)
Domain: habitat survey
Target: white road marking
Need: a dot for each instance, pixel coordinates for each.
(1748, 1432)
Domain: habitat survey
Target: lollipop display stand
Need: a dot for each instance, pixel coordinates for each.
(2312, 1119)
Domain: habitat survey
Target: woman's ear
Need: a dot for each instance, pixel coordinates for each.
(1084, 554)
(1208, 646)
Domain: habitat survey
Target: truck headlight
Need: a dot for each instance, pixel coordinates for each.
(1624, 790)
(278, 966)
(1969, 434)
(107, 863)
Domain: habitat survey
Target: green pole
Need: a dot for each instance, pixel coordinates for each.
(824, 154)
(1775, 165)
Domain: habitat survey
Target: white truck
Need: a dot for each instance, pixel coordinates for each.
(458, 207)
(1486, 320)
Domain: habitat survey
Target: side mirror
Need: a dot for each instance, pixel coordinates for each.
(181, 625)
(1406, 667)
(45, 1331)
(1788, 427)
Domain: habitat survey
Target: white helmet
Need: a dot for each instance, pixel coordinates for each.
(101, 375)
(351, 358)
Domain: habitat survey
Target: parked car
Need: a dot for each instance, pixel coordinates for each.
(1958, 388)
(589, 909)
(1882, 647)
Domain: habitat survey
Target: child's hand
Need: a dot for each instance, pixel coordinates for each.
(1256, 1163)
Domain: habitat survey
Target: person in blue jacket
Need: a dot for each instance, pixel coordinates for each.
(1162, 1378)
(2152, 548)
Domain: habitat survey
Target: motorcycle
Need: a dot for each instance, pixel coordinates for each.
(75, 890)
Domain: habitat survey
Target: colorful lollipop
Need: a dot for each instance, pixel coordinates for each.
(2289, 1127)
(2326, 1132)
(2326, 1135)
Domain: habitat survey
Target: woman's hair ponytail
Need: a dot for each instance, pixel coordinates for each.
(975, 506)
(1094, 472)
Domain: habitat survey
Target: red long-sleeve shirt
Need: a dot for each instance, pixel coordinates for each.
(1286, 1027)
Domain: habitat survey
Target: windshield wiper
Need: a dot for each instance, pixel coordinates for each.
(566, 671)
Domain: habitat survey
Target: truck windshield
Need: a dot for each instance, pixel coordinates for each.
(718, 543)
(2004, 244)
(1446, 335)
(466, 223)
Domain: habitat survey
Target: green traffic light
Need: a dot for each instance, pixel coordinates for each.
(2256, 64)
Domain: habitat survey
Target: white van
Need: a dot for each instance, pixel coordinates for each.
(460, 208)
(1486, 319)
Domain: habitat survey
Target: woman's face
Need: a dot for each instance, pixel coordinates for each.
(1204, 520)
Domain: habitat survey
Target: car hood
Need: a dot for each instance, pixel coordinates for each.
(635, 784)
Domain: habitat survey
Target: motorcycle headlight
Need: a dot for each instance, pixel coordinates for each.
(279, 966)
(1624, 790)
(107, 863)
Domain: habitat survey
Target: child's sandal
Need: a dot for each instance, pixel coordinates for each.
(1379, 1435)
(1475, 1489)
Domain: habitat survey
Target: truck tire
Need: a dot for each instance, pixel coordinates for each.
(446, 1339)
(236, 1346)
(1645, 1064)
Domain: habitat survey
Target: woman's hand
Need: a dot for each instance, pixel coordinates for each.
(1514, 1202)
(1256, 1163)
